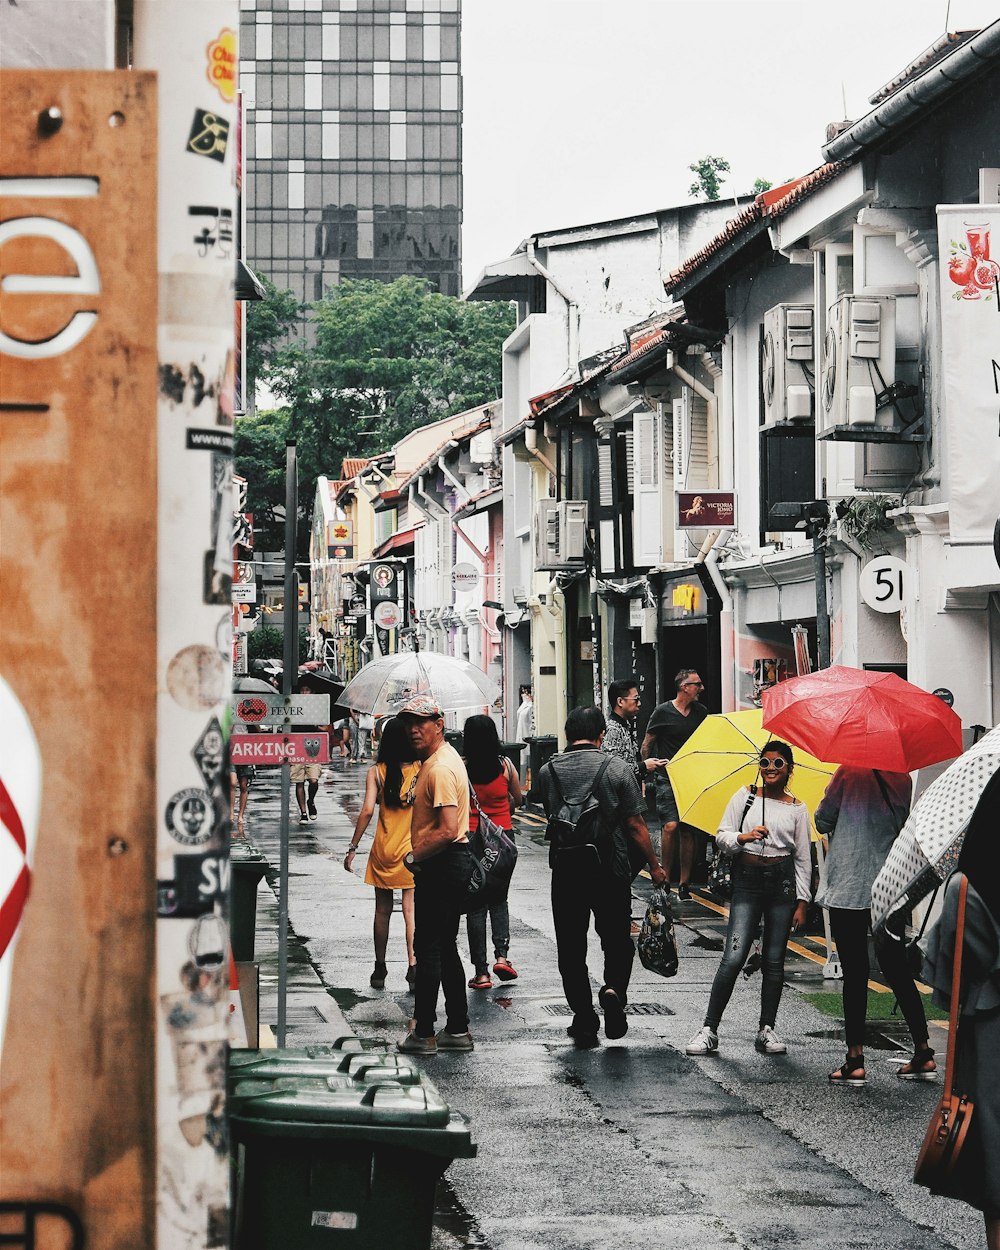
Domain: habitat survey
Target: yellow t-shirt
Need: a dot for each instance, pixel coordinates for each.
(442, 782)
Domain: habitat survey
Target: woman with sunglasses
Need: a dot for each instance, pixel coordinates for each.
(766, 831)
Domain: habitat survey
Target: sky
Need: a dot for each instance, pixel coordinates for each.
(580, 111)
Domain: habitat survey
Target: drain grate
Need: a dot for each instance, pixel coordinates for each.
(632, 1009)
(303, 1015)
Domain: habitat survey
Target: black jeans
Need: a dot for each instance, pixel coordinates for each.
(439, 884)
(582, 888)
(850, 932)
(768, 894)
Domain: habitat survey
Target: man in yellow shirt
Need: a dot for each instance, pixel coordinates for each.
(442, 866)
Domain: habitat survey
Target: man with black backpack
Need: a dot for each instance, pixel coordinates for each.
(594, 809)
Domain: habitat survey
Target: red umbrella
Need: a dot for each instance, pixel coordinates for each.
(872, 720)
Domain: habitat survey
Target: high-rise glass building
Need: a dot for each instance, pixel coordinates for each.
(353, 141)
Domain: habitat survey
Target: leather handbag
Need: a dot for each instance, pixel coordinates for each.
(720, 875)
(949, 1127)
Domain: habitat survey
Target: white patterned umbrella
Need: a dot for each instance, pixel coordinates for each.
(928, 845)
(385, 684)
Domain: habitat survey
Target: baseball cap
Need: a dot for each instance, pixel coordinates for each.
(422, 705)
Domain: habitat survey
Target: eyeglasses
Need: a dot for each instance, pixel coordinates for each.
(777, 763)
(699, 685)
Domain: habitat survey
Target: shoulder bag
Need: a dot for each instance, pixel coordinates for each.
(949, 1127)
(720, 876)
(494, 854)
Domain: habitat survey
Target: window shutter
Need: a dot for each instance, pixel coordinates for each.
(646, 484)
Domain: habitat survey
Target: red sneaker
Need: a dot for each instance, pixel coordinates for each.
(481, 982)
(505, 970)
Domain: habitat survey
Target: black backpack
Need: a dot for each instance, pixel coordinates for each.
(577, 829)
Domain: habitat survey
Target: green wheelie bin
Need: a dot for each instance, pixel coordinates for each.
(338, 1149)
(247, 866)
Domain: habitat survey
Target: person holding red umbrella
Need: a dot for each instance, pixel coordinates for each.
(861, 814)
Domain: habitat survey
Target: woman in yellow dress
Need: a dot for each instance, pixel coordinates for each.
(389, 786)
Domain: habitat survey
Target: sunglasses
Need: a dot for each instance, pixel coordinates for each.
(777, 763)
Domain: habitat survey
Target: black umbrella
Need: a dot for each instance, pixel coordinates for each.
(319, 683)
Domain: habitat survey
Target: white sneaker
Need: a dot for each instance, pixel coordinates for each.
(704, 1042)
(768, 1042)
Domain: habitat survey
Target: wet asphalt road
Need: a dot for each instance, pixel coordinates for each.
(633, 1144)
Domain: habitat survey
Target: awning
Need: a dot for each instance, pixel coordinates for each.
(399, 543)
(510, 278)
(248, 285)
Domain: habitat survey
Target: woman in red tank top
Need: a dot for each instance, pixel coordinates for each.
(497, 790)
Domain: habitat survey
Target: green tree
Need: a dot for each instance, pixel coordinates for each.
(269, 322)
(707, 181)
(259, 454)
(761, 185)
(385, 359)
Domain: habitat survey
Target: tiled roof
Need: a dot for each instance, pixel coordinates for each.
(353, 465)
(766, 207)
(939, 48)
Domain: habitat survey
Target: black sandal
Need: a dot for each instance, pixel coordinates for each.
(922, 1056)
(847, 1074)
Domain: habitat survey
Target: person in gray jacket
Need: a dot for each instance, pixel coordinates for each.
(861, 813)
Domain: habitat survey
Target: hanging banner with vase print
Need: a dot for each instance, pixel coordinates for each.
(970, 366)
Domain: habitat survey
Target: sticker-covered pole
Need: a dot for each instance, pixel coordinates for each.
(290, 670)
(192, 46)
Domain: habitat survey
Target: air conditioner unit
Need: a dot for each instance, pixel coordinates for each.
(859, 364)
(786, 364)
(560, 534)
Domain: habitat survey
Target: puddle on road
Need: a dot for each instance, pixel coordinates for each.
(346, 999)
(454, 1227)
(874, 1038)
(503, 1002)
(706, 943)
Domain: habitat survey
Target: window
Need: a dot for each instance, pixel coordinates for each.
(264, 40)
(313, 91)
(331, 135)
(380, 92)
(397, 37)
(296, 184)
(449, 86)
(331, 36)
(397, 136)
(432, 37)
(262, 135)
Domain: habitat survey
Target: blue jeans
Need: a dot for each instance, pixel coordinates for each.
(500, 925)
(768, 894)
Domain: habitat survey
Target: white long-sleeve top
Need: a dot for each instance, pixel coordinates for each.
(787, 831)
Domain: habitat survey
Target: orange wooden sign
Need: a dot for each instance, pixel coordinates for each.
(78, 387)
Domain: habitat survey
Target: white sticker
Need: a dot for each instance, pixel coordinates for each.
(335, 1219)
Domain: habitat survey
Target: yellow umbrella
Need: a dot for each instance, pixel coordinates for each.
(721, 755)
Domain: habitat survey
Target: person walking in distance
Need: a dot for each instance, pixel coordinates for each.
(766, 830)
(861, 813)
(390, 786)
(595, 879)
(442, 867)
(670, 726)
(525, 723)
(305, 777)
(497, 789)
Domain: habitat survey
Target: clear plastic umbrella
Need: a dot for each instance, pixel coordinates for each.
(928, 845)
(384, 685)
